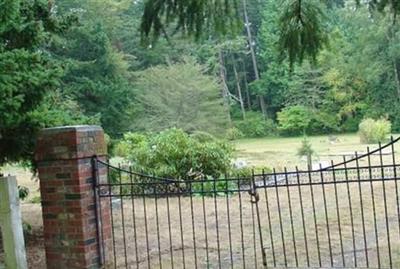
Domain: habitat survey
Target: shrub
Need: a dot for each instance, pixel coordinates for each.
(211, 188)
(120, 149)
(374, 131)
(233, 134)
(256, 126)
(175, 154)
(26, 228)
(323, 123)
(244, 172)
(351, 124)
(23, 192)
(202, 136)
(396, 124)
(306, 150)
(294, 120)
(128, 143)
(270, 127)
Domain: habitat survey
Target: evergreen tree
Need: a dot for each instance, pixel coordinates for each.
(302, 25)
(97, 76)
(27, 73)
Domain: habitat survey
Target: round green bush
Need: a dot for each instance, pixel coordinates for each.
(174, 153)
(297, 120)
(233, 134)
(294, 120)
(256, 126)
(374, 131)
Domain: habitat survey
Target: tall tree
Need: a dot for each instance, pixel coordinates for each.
(27, 73)
(251, 45)
(97, 76)
(182, 96)
(98, 73)
(302, 31)
(239, 89)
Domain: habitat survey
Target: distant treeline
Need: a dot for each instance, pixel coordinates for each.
(74, 62)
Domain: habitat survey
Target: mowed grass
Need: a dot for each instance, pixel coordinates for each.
(280, 152)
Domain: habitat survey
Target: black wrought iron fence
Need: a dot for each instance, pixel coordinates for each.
(345, 216)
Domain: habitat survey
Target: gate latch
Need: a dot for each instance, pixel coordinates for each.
(255, 197)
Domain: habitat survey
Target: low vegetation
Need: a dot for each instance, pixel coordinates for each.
(306, 150)
(174, 153)
(374, 131)
(254, 125)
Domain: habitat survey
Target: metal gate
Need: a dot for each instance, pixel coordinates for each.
(345, 215)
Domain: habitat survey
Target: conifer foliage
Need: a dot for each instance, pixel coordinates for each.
(192, 17)
(27, 73)
(302, 31)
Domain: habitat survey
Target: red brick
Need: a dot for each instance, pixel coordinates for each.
(64, 161)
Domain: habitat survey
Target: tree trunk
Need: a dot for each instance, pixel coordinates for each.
(253, 56)
(225, 90)
(397, 77)
(263, 106)
(389, 37)
(239, 89)
(250, 41)
(309, 161)
(246, 88)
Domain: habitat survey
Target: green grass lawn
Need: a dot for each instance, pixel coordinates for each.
(281, 152)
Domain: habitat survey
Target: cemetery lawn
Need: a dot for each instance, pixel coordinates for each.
(279, 152)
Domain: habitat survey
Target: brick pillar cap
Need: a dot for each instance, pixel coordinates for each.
(80, 128)
(70, 142)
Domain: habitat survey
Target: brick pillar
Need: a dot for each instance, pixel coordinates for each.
(63, 156)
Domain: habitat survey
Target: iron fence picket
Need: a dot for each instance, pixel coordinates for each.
(330, 217)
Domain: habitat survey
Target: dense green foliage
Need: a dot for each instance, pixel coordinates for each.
(301, 32)
(27, 73)
(233, 134)
(54, 71)
(180, 96)
(355, 77)
(254, 125)
(96, 76)
(176, 154)
(374, 131)
(190, 16)
(72, 62)
(294, 120)
(302, 24)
